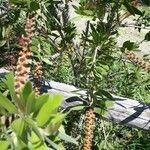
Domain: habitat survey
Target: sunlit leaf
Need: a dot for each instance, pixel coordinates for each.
(108, 103)
(50, 107)
(19, 127)
(98, 110)
(10, 83)
(54, 145)
(55, 123)
(40, 101)
(34, 127)
(102, 145)
(27, 89)
(11, 86)
(67, 138)
(77, 108)
(37, 143)
(47, 61)
(30, 105)
(7, 104)
(4, 145)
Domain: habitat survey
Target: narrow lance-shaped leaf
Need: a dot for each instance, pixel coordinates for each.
(67, 138)
(18, 126)
(37, 143)
(137, 11)
(147, 36)
(49, 108)
(4, 145)
(40, 101)
(11, 87)
(54, 145)
(35, 128)
(55, 123)
(129, 7)
(104, 93)
(27, 89)
(7, 104)
(30, 105)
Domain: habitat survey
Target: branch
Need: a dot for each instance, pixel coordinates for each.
(124, 111)
(134, 26)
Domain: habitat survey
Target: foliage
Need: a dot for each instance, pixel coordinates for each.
(89, 60)
(35, 124)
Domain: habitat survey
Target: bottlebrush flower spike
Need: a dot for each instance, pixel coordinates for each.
(37, 77)
(89, 129)
(138, 61)
(22, 68)
(23, 64)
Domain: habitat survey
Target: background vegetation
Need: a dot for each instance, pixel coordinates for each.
(90, 60)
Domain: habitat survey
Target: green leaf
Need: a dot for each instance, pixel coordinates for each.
(129, 7)
(98, 110)
(102, 69)
(47, 61)
(88, 12)
(40, 101)
(108, 104)
(2, 43)
(30, 105)
(93, 28)
(19, 127)
(58, 118)
(129, 45)
(104, 93)
(67, 138)
(57, 147)
(28, 4)
(34, 6)
(24, 94)
(55, 123)
(11, 87)
(110, 145)
(34, 127)
(137, 11)
(37, 143)
(21, 144)
(26, 91)
(49, 108)
(77, 108)
(6, 93)
(4, 145)
(56, 101)
(102, 145)
(7, 104)
(147, 100)
(147, 36)
(18, 2)
(2, 110)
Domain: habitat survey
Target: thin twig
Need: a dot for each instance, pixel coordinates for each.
(134, 26)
